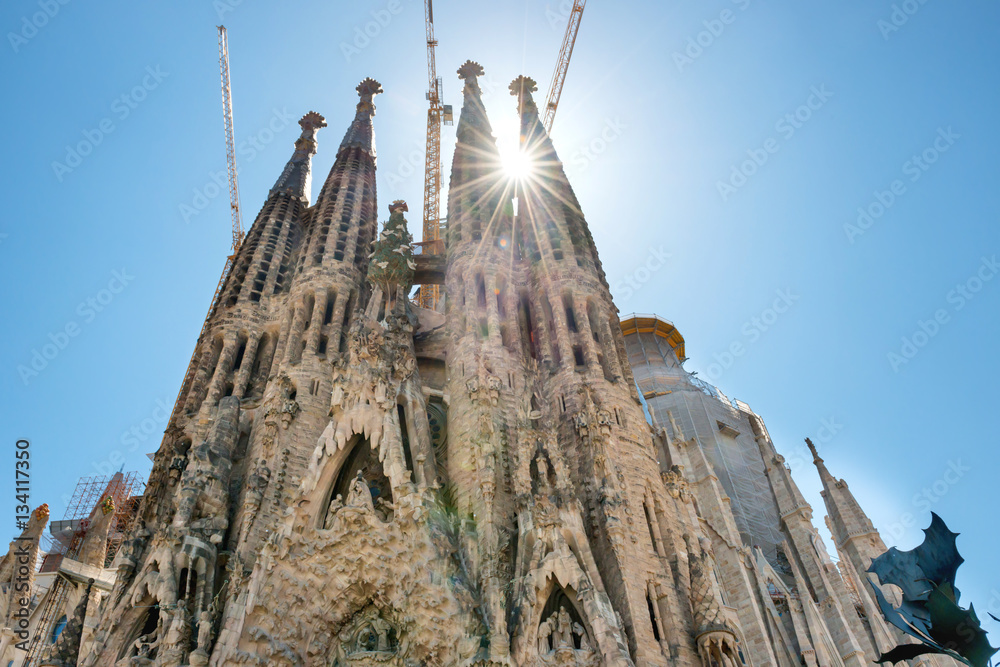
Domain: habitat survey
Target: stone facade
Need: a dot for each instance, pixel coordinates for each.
(349, 479)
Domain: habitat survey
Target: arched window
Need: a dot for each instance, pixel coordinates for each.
(59, 627)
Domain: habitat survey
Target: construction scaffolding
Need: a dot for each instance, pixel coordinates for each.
(66, 537)
(678, 401)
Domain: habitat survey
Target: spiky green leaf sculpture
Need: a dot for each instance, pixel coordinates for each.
(930, 610)
(391, 265)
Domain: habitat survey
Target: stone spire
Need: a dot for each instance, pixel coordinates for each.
(66, 651)
(296, 179)
(847, 520)
(535, 140)
(23, 551)
(94, 548)
(474, 130)
(477, 195)
(552, 207)
(361, 133)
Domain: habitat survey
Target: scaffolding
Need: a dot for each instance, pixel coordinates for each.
(67, 535)
(724, 427)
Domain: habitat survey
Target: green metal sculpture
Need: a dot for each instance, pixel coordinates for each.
(391, 266)
(929, 610)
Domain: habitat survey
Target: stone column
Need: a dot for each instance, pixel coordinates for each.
(492, 312)
(249, 356)
(591, 349)
(316, 324)
(222, 370)
(295, 333)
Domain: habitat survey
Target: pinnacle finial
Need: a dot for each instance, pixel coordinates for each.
(812, 448)
(470, 70)
(398, 205)
(522, 87)
(367, 90)
(312, 121)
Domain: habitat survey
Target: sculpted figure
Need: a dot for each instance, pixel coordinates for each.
(544, 632)
(359, 495)
(204, 630)
(564, 629)
(580, 632)
(335, 505)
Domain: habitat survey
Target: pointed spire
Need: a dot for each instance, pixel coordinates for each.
(94, 549)
(846, 518)
(296, 179)
(361, 133)
(531, 128)
(23, 549)
(818, 461)
(534, 139)
(474, 128)
(547, 170)
(66, 651)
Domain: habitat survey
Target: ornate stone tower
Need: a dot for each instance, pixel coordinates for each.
(350, 479)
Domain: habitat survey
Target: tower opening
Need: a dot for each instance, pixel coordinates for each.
(528, 336)
(404, 434)
(652, 617)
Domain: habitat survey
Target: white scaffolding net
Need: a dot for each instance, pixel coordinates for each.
(722, 427)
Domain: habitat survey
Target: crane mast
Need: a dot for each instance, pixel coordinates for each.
(437, 114)
(227, 113)
(562, 64)
(234, 203)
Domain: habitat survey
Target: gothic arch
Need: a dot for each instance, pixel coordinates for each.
(143, 622)
(562, 630)
(343, 468)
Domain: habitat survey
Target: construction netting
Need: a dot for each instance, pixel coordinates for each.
(677, 401)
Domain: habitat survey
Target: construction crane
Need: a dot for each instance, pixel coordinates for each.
(227, 114)
(562, 64)
(234, 202)
(437, 114)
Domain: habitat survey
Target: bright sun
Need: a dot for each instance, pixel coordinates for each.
(517, 164)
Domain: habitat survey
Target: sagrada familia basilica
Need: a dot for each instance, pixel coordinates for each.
(517, 477)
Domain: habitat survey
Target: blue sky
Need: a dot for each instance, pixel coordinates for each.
(739, 138)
